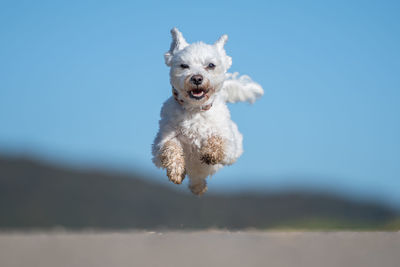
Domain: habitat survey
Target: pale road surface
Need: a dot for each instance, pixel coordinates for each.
(202, 248)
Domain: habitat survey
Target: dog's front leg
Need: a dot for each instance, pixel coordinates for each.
(173, 160)
(212, 151)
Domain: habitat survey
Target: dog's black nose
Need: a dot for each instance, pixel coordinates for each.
(197, 79)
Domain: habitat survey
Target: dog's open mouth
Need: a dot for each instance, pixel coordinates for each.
(197, 93)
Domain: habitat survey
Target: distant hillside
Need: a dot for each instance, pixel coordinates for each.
(37, 195)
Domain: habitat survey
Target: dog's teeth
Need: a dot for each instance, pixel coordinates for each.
(198, 94)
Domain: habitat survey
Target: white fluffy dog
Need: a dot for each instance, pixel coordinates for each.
(197, 136)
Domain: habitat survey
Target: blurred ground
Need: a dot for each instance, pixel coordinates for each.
(38, 195)
(202, 248)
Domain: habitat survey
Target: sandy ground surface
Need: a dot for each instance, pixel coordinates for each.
(203, 248)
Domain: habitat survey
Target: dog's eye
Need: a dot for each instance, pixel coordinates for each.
(184, 66)
(211, 66)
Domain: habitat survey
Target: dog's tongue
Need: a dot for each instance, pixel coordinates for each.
(197, 92)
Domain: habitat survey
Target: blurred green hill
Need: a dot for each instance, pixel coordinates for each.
(41, 196)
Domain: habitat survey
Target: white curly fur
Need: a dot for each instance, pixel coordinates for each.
(198, 112)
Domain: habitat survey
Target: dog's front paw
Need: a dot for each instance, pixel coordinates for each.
(212, 152)
(176, 175)
(172, 159)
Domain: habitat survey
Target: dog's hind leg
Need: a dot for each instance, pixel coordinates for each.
(197, 185)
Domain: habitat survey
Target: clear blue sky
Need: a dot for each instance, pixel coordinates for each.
(82, 82)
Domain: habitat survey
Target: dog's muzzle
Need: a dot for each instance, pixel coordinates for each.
(198, 93)
(181, 102)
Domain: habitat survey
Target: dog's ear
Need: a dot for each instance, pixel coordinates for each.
(221, 41)
(219, 44)
(178, 43)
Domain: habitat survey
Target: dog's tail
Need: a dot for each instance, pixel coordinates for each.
(241, 89)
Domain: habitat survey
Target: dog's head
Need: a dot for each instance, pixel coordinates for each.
(198, 69)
